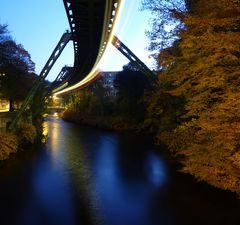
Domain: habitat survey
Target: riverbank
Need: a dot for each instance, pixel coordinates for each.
(114, 123)
(11, 143)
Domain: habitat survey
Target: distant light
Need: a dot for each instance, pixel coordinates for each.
(55, 114)
(55, 97)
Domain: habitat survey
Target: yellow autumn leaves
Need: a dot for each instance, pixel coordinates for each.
(203, 69)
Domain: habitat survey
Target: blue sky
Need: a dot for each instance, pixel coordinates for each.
(38, 25)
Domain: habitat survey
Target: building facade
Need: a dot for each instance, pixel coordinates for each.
(108, 78)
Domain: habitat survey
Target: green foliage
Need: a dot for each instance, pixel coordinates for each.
(8, 145)
(87, 105)
(17, 67)
(163, 111)
(125, 111)
(39, 104)
(131, 85)
(13, 54)
(26, 133)
(16, 84)
(85, 102)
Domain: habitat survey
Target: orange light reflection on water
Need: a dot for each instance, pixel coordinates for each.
(45, 132)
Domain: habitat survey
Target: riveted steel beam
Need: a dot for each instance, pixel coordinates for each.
(91, 23)
(52, 59)
(132, 57)
(89, 51)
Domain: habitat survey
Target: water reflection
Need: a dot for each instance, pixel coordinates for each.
(68, 155)
(156, 170)
(116, 184)
(85, 176)
(54, 138)
(50, 200)
(123, 200)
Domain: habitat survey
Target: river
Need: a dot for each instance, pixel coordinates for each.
(88, 176)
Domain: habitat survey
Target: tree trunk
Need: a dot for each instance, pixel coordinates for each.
(11, 107)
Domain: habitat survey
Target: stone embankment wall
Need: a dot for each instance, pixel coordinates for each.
(7, 117)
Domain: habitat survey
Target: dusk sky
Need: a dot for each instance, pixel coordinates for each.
(137, 147)
(38, 26)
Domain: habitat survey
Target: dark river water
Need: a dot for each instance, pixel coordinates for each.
(87, 176)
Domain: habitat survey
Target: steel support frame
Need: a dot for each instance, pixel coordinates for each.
(66, 37)
(132, 57)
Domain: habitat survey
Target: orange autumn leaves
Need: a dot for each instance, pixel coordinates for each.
(203, 68)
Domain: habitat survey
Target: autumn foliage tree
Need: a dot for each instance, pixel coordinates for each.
(203, 69)
(16, 68)
(166, 23)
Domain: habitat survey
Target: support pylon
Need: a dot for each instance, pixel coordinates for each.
(132, 57)
(62, 77)
(66, 37)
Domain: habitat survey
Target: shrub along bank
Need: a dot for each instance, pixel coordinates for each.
(11, 143)
(116, 123)
(125, 111)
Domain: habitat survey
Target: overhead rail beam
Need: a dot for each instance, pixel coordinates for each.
(88, 54)
(91, 24)
(86, 23)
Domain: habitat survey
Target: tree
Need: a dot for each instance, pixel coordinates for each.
(3, 37)
(166, 23)
(203, 69)
(15, 67)
(16, 56)
(3, 32)
(15, 85)
(131, 85)
(12, 53)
